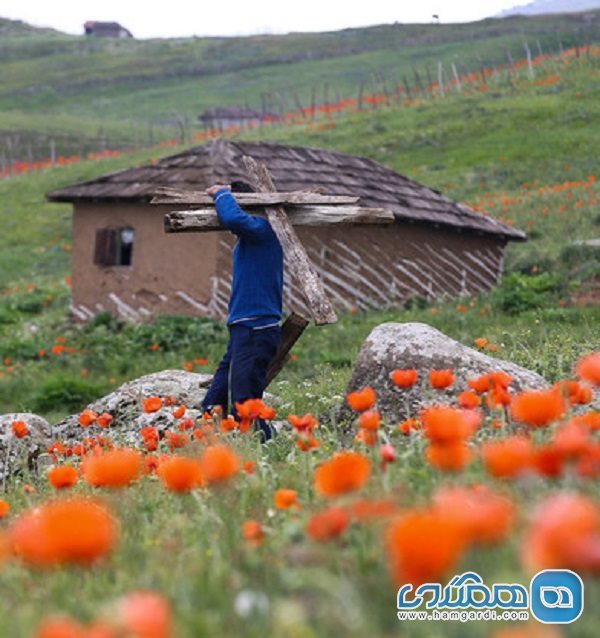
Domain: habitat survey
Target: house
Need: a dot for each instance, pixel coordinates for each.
(221, 117)
(106, 29)
(124, 263)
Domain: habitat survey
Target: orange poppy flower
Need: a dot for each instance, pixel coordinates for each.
(422, 546)
(152, 404)
(361, 400)
(62, 476)
(344, 472)
(369, 420)
(60, 626)
(486, 516)
(249, 467)
(186, 424)
(368, 437)
(73, 531)
(104, 420)
(497, 397)
(564, 533)
(144, 614)
(571, 440)
(538, 408)
(468, 400)
(306, 444)
(440, 379)
(500, 379)
(589, 420)
(449, 457)
(481, 342)
(480, 384)
(508, 458)
(404, 378)
(20, 429)
(369, 510)
(387, 453)
(409, 424)
(328, 524)
(4, 509)
(87, 418)
(180, 474)
(253, 532)
(548, 460)
(285, 499)
(444, 424)
(576, 393)
(229, 424)
(588, 368)
(303, 424)
(176, 440)
(250, 410)
(179, 411)
(588, 463)
(115, 468)
(219, 463)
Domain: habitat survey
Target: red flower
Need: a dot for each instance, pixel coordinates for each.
(538, 408)
(361, 400)
(327, 524)
(404, 378)
(440, 379)
(20, 429)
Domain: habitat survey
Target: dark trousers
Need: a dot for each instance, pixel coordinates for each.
(242, 372)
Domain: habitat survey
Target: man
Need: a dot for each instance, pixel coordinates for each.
(254, 306)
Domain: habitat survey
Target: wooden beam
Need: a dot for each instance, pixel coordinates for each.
(205, 219)
(291, 330)
(297, 260)
(166, 195)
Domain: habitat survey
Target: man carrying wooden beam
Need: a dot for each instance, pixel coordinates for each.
(255, 306)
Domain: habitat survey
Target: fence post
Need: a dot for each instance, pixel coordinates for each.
(456, 78)
(529, 62)
(441, 79)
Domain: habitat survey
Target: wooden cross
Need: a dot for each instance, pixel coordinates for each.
(302, 208)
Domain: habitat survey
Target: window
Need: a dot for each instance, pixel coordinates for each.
(114, 247)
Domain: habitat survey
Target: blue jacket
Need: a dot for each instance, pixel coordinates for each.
(257, 283)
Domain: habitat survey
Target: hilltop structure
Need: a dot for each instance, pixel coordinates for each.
(223, 117)
(124, 263)
(106, 29)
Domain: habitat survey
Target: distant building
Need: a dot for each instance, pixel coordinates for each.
(106, 29)
(222, 117)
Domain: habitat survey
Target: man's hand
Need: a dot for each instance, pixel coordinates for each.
(213, 190)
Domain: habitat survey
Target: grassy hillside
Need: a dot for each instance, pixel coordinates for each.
(524, 152)
(112, 92)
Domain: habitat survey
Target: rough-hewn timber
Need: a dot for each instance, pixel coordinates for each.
(205, 220)
(167, 195)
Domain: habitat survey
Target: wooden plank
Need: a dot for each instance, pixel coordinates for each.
(166, 195)
(297, 260)
(291, 330)
(205, 219)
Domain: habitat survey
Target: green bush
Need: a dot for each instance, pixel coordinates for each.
(62, 393)
(519, 293)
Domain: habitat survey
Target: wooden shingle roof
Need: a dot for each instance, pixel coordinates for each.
(292, 168)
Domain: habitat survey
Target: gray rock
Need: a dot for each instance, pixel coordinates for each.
(125, 404)
(20, 454)
(419, 346)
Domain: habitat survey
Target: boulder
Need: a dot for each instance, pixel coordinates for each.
(125, 404)
(16, 454)
(419, 346)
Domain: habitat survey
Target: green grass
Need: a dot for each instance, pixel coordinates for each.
(126, 88)
(489, 149)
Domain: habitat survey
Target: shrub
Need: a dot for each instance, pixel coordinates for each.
(519, 293)
(62, 393)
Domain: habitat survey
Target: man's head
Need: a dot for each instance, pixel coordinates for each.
(241, 187)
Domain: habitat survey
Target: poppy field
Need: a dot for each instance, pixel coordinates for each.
(196, 529)
(201, 530)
